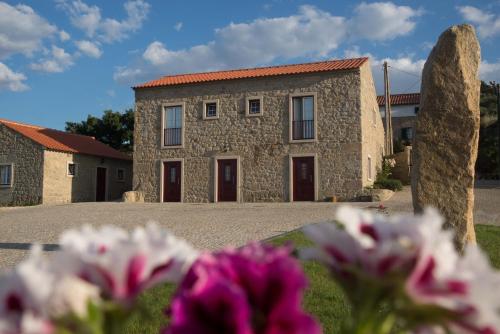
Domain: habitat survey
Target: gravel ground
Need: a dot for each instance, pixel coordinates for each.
(207, 226)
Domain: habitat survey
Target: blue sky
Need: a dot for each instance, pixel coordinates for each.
(61, 60)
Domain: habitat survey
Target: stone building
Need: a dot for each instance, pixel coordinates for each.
(45, 166)
(404, 109)
(303, 132)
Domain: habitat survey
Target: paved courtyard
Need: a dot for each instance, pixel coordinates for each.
(207, 226)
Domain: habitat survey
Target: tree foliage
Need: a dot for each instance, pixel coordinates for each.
(487, 160)
(115, 129)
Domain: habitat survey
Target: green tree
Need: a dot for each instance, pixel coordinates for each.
(487, 159)
(115, 129)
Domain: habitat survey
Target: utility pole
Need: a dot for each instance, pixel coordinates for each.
(388, 114)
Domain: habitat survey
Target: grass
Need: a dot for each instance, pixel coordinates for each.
(324, 298)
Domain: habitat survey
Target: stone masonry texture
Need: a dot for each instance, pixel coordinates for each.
(27, 159)
(348, 129)
(446, 142)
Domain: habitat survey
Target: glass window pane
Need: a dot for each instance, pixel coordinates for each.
(297, 108)
(172, 175)
(254, 106)
(173, 119)
(227, 173)
(211, 109)
(308, 112)
(5, 174)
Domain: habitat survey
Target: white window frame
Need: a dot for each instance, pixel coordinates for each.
(117, 171)
(11, 164)
(162, 175)
(247, 106)
(216, 176)
(217, 109)
(67, 169)
(290, 173)
(290, 117)
(163, 125)
(369, 163)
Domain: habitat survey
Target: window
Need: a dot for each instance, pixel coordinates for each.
(120, 174)
(417, 109)
(211, 109)
(407, 133)
(254, 106)
(72, 169)
(172, 131)
(369, 166)
(303, 122)
(6, 175)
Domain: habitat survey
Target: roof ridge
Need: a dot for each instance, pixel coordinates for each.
(254, 72)
(3, 120)
(262, 67)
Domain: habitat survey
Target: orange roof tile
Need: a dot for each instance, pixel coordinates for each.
(65, 142)
(324, 66)
(400, 99)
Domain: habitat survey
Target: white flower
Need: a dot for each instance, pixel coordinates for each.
(124, 264)
(37, 291)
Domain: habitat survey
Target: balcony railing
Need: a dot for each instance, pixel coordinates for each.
(172, 137)
(303, 130)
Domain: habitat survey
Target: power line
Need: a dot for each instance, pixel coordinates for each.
(413, 85)
(397, 69)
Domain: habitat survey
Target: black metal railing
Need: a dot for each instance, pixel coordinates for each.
(303, 130)
(172, 137)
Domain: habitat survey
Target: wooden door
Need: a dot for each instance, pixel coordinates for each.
(100, 193)
(172, 181)
(303, 179)
(227, 180)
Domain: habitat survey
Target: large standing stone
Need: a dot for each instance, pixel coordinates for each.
(447, 131)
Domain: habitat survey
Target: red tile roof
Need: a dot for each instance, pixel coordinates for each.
(400, 99)
(65, 142)
(324, 66)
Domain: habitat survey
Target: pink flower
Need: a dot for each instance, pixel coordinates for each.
(122, 264)
(253, 290)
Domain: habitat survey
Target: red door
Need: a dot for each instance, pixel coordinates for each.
(227, 180)
(303, 179)
(100, 192)
(172, 181)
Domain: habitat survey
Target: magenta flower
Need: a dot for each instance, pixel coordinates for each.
(123, 265)
(253, 290)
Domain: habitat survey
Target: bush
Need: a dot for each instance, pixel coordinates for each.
(391, 184)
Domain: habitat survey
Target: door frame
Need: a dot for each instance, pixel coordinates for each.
(162, 176)
(216, 175)
(106, 192)
(290, 173)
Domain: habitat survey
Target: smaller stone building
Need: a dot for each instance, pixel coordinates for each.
(46, 166)
(404, 109)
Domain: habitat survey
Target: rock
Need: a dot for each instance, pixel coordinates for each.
(133, 197)
(375, 195)
(447, 132)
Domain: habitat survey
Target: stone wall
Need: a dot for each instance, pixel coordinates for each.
(262, 143)
(27, 158)
(58, 187)
(371, 127)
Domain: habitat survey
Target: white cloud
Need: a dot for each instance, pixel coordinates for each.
(404, 71)
(10, 80)
(58, 61)
(22, 30)
(310, 33)
(88, 48)
(490, 71)
(64, 36)
(380, 21)
(178, 26)
(88, 18)
(487, 24)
